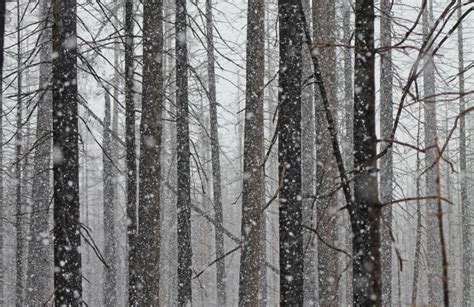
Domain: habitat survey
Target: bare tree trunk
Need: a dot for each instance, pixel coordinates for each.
(40, 266)
(433, 249)
(249, 286)
(67, 240)
(18, 169)
(366, 212)
(386, 162)
(183, 163)
(150, 151)
(131, 161)
(465, 202)
(324, 28)
(216, 168)
(110, 250)
(289, 159)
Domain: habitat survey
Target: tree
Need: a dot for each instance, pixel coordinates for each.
(183, 158)
(252, 194)
(40, 267)
(110, 250)
(433, 257)
(150, 151)
(289, 154)
(386, 162)
(324, 32)
(131, 160)
(366, 209)
(216, 167)
(67, 240)
(465, 202)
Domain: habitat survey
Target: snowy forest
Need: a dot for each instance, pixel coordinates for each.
(236, 152)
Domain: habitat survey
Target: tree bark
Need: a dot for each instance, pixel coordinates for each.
(365, 220)
(110, 250)
(131, 162)
(252, 195)
(386, 162)
(324, 27)
(150, 151)
(183, 159)
(289, 149)
(216, 168)
(40, 267)
(67, 240)
(466, 208)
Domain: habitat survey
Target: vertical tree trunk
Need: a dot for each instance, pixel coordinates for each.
(308, 172)
(465, 202)
(2, 32)
(67, 257)
(386, 163)
(18, 169)
(433, 246)
(40, 266)
(349, 124)
(216, 168)
(324, 27)
(110, 250)
(289, 149)
(365, 220)
(183, 163)
(252, 194)
(150, 150)
(131, 162)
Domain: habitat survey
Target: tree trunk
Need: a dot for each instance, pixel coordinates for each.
(18, 169)
(40, 266)
(183, 159)
(365, 219)
(131, 161)
(433, 257)
(289, 159)
(67, 257)
(465, 202)
(110, 250)
(252, 195)
(324, 28)
(150, 150)
(216, 168)
(386, 162)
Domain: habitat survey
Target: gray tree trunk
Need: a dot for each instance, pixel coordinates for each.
(216, 168)
(110, 250)
(324, 33)
(252, 194)
(40, 267)
(386, 162)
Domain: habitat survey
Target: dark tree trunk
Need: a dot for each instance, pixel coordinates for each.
(252, 195)
(365, 219)
(289, 158)
(150, 150)
(110, 250)
(216, 168)
(131, 161)
(67, 239)
(324, 14)
(40, 266)
(183, 158)
(386, 162)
